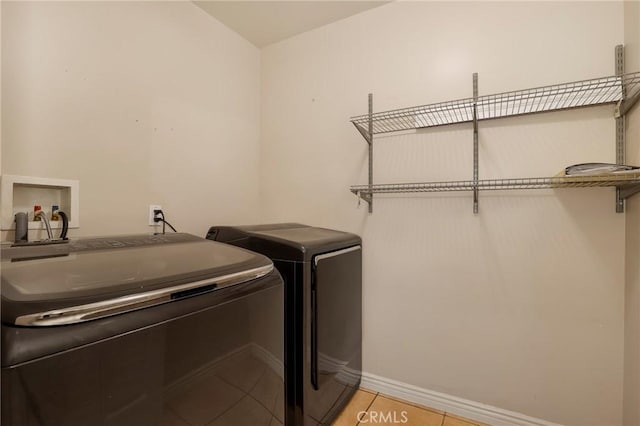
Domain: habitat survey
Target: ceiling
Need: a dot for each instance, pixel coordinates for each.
(266, 22)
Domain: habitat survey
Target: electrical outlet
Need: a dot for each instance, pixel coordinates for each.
(153, 207)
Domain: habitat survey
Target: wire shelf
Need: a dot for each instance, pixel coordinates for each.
(577, 94)
(620, 181)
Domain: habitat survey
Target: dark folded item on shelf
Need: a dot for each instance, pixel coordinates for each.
(590, 169)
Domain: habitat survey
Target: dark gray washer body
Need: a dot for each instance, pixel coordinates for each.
(199, 357)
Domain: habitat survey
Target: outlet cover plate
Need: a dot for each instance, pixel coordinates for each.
(153, 207)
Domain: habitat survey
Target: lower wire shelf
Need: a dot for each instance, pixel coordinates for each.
(628, 185)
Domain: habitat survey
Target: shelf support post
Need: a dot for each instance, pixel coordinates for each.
(475, 143)
(369, 198)
(620, 125)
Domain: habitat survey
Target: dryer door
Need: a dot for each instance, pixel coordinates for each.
(336, 326)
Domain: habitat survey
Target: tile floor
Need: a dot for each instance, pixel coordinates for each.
(376, 409)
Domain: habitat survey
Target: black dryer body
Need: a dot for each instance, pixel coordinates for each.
(322, 273)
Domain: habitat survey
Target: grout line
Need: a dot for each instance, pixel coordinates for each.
(368, 391)
(369, 406)
(422, 407)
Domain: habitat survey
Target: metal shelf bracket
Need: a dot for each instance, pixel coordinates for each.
(625, 105)
(629, 191)
(365, 134)
(366, 196)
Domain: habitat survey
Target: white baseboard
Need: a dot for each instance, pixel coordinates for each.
(451, 404)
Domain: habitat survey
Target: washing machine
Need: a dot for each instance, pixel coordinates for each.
(141, 330)
(322, 272)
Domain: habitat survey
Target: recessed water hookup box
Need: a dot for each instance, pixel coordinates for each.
(22, 193)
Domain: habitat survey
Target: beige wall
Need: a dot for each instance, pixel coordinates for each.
(143, 103)
(632, 294)
(521, 306)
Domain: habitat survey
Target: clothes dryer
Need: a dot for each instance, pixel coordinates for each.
(322, 272)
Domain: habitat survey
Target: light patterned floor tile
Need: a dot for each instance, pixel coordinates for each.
(464, 420)
(368, 391)
(456, 421)
(386, 411)
(358, 403)
(413, 403)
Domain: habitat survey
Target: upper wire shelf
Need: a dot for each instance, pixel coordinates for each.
(576, 94)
